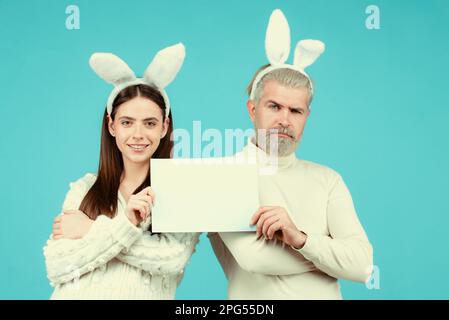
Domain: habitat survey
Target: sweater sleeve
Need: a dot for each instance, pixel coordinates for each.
(161, 254)
(269, 257)
(346, 252)
(67, 259)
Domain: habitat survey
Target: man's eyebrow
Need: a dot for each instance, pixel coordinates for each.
(291, 108)
(297, 109)
(275, 102)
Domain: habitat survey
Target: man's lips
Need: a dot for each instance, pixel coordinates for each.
(285, 135)
(282, 135)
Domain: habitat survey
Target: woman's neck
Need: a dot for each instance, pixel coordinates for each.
(133, 176)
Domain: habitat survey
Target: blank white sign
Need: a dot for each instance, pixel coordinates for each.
(203, 195)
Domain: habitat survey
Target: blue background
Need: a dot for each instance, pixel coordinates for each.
(380, 118)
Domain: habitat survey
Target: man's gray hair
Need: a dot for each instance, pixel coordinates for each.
(287, 77)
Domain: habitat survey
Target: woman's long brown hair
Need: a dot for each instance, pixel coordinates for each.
(102, 196)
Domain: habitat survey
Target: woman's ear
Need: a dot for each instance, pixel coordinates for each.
(111, 126)
(166, 125)
(251, 109)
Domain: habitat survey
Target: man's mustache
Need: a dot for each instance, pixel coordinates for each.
(283, 130)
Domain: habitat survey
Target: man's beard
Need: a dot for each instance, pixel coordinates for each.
(275, 145)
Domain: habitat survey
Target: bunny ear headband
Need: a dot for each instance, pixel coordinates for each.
(159, 73)
(277, 47)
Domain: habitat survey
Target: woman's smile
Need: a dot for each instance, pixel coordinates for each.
(138, 147)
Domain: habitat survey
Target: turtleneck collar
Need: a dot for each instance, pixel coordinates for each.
(265, 160)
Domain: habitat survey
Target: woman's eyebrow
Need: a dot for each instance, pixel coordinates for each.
(151, 118)
(133, 119)
(126, 118)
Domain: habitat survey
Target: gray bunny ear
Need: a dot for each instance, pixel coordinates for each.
(306, 52)
(111, 68)
(165, 65)
(277, 39)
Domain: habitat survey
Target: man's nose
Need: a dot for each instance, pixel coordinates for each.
(283, 119)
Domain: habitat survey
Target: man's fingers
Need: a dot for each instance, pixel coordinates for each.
(273, 228)
(268, 222)
(264, 216)
(258, 213)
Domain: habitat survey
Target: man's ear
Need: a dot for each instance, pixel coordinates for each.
(309, 111)
(251, 109)
(166, 125)
(111, 126)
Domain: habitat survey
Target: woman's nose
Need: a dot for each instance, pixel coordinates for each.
(137, 132)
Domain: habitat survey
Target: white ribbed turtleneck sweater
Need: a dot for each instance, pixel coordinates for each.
(320, 205)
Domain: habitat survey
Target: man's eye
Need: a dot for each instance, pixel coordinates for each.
(274, 106)
(125, 123)
(150, 124)
(297, 111)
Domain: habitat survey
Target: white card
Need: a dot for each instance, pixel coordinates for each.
(203, 195)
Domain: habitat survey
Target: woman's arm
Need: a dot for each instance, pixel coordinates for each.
(165, 253)
(67, 259)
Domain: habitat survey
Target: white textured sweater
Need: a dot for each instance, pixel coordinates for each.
(319, 204)
(115, 259)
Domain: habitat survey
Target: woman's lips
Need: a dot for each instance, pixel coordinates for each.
(138, 147)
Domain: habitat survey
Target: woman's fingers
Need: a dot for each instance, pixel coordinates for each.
(143, 205)
(148, 199)
(147, 206)
(57, 231)
(148, 191)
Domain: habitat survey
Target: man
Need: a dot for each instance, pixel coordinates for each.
(308, 234)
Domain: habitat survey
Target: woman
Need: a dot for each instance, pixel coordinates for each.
(101, 247)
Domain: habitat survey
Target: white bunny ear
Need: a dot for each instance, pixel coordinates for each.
(306, 52)
(277, 39)
(111, 68)
(165, 65)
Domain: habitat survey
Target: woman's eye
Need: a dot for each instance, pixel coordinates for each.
(150, 124)
(125, 123)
